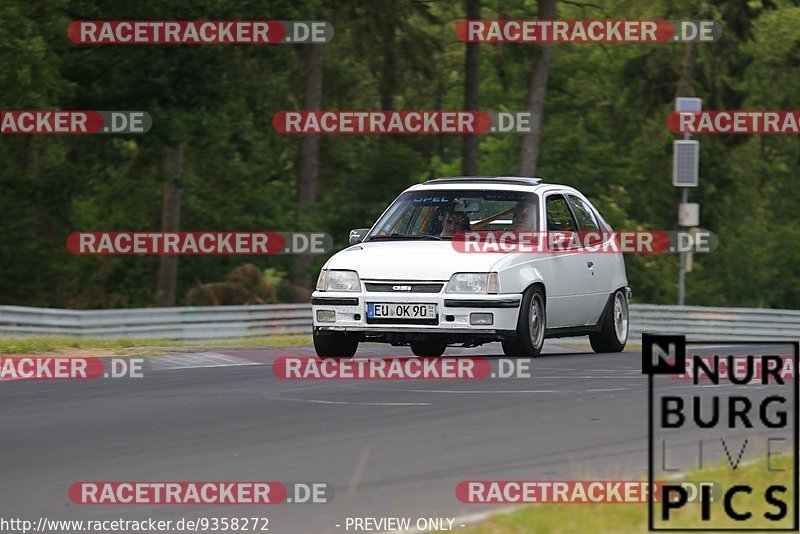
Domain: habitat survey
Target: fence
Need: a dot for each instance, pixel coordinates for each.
(236, 322)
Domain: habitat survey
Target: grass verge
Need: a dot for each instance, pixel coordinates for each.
(122, 346)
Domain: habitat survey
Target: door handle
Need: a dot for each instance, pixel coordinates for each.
(590, 264)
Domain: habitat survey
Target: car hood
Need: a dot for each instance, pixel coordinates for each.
(410, 260)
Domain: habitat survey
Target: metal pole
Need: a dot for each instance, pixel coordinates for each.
(682, 271)
(679, 106)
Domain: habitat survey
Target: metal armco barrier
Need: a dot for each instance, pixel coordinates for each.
(711, 324)
(237, 322)
(189, 323)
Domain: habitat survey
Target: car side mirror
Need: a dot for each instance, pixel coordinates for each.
(358, 235)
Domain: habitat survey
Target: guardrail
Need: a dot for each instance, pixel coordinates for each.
(716, 324)
(189, 323)
(237, 322)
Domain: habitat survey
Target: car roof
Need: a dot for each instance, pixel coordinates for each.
(508, 183)
(520, 180)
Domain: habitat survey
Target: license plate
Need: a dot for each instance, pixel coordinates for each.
(377, 310)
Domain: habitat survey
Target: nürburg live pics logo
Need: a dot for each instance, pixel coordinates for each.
(725, 412)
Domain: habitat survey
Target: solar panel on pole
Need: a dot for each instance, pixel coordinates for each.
(685, 163)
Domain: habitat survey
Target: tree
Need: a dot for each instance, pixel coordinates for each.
(469, 153)
(308, 160)
(537, 90)
(170, 222)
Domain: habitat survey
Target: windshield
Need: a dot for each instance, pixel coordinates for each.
(432, 214)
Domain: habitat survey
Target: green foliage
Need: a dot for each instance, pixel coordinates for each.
(604, 132)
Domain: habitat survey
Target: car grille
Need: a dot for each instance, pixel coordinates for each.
(395, 287)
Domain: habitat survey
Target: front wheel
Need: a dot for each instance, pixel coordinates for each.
(613, 332)
(335, 344)
(531, 326)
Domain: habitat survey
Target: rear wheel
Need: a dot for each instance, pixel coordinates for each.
(335, 344)
(613, 332)
(428, 349)
(531, 326)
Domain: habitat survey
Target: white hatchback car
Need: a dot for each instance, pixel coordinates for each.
(404, 282)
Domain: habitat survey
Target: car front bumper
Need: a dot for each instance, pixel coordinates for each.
(456, 314)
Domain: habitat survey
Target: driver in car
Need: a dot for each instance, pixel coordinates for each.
(454, 222)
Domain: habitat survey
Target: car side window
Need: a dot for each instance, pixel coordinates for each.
(559, 218)
(583, 213)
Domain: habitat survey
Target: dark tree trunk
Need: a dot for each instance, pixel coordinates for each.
(687, 70)
(308, 168)
(469, 149)
(308, 161)
(170, 222)
(537, 90)
(388, 76)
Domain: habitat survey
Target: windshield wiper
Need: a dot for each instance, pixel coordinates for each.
(408, 236)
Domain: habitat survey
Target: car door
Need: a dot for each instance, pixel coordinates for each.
(571, 287)
(601, 264)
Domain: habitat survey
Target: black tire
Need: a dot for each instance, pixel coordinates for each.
(528, 344)
(614, 325)
(511, 349)
(423, 348)
(335, 344)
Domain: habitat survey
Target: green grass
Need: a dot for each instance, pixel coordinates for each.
(602, 518)
(38, 345)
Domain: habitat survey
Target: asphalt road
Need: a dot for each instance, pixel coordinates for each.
(389, 448)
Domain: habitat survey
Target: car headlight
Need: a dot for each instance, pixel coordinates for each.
(473, 283)
(331, 280)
